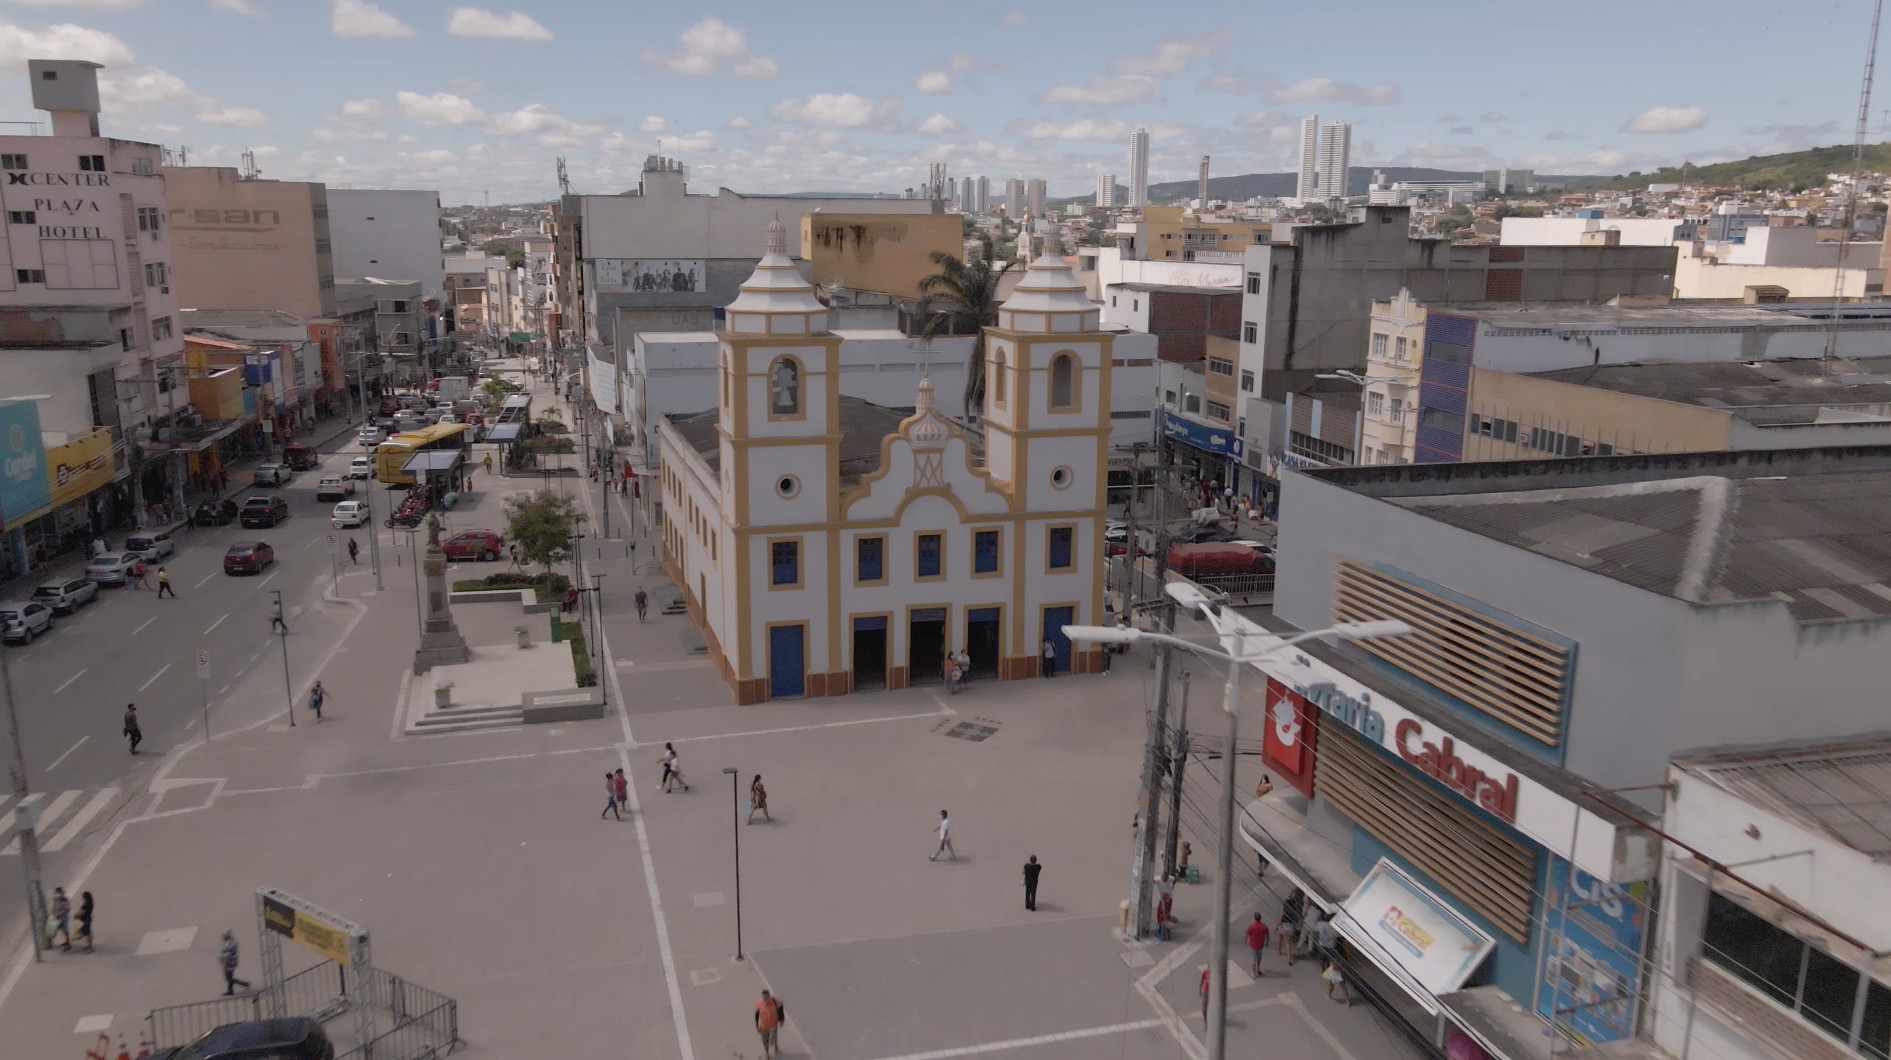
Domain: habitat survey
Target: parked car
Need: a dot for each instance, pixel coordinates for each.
(371, 436)
(23, 620)
(264, 511)
(300, 457)
(349, 514)
(474, 544)
(248, 557)
(273, 474)
(150, 546)
(215, 513)
(67, 594)
(334, 488)
(291, 1038)
(361, 467)
(110, 568)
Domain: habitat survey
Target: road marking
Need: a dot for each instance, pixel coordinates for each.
(69, 680)
(6, 823)
(266, 581)
(69, 750)
(77, 823)
(147, 622)
(217, 623)
(312, 542)
(206, 578)
(1026, 1043)
(57, 807)
(154, 677)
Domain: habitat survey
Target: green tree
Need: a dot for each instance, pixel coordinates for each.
(498, 389)
(515, 258)
(542, 525)
(961, 296)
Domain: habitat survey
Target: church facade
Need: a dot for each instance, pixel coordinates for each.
(827, 545)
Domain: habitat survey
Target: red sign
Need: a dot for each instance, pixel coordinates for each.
(1292, 735)
(1441, 762)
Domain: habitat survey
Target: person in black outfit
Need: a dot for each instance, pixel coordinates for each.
(132, 731)
(1031, 871)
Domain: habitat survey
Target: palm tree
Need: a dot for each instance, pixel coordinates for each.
(963, 295)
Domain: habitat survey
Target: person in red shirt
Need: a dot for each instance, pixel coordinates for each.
(1257, 944)
(769, 1014)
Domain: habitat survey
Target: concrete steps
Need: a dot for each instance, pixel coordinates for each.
(465, 719)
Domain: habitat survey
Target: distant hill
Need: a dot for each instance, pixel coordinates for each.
(1795, 170)
(1281, 185)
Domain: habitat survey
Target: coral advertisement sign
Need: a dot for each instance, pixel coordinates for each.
(1292, 735)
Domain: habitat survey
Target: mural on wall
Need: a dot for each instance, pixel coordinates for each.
(1590, 971)
(651, 274)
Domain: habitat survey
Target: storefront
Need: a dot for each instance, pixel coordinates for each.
(75, 501)
(1209, 455)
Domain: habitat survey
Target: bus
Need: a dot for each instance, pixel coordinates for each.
(391, 456)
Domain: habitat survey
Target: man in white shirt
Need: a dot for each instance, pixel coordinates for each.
(945, 839)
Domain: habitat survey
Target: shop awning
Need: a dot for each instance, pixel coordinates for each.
(504, 432)
(434, 461)
(1412, 936)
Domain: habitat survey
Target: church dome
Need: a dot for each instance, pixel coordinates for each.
(775, 299)
(1049, 299)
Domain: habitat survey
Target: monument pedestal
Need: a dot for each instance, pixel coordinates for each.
(440, 640)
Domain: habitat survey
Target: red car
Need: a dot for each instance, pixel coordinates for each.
(248, 557)
(474, 544)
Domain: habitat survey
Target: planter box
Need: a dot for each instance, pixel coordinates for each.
(443, 697)
(572, 704)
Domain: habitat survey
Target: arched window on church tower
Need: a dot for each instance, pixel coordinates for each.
(998, 391)
(784, 387)
(1063, 381)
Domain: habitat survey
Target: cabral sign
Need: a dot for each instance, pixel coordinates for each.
(1441, 762)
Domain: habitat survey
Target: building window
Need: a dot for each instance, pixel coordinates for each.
(929, 556)
(985, 552)
(150, 220)
(13, 162)
(1249, 333)
(1819, 988)
(1254, 283)
(1192, 403)
(1061, 553)
(1324, 451)
(784, 387)
(787, 486)
(1399, 351)
(91, 163)
(155, 274)
(1375, 404)
(784, 563)
(1379, 342)
(32, 276)
(1220, 366)
(1063, 381)
(1219, 412)
(79, 264)
(869, 560)
(21, 217)
(142, 166)
(1441, 420)
(160, 329)
(998, 391)
(1247, 382)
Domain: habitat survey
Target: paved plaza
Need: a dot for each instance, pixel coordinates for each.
(481, 867)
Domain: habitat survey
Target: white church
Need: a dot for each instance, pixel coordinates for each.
(827, 545)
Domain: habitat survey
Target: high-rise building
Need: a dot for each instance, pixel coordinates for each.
(1106, 190)
(1014, 197)
(1034, 197)
(1201, 182)
(1336, 156)
(1307, 186)
(1139, 168)
(981, 200)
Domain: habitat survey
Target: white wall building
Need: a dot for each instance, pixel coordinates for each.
(392, 234)
(826, 546)
(1036, 198)
(1307, 182)
(1336, 159)
(1139, 168)
(1570, 231)
(1106, 190)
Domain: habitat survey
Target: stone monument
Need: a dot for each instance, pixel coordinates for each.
(440, 639)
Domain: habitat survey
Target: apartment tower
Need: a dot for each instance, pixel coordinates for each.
(1139, 168)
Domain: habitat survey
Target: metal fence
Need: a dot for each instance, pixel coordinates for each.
(314, 992)
(426, 1022)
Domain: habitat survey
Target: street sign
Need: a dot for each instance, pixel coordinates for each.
(334, 542)
(203, 665)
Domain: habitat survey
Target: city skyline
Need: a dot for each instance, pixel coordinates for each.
(473, 101)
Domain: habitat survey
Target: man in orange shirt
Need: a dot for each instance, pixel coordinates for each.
(769, 1012)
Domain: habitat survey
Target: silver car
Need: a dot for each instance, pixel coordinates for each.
(67, 594)
(111, 568)
(22, 620)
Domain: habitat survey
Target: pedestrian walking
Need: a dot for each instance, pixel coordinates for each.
(1257, 944)
(317, 696)
(965, 667)
(1309, 924)
(1204, 989)
(515, 555)
(952, 673)
(85, 919)
(354, 551)
(488, 463)
(1031, 872)
(758, 800)
(643, 603)
(1335, 981)
(1290, 913)
(770, 1014)
(164, 583)
(227, 958)
(95, 548)
(945, 839)
(60, 926)
(1165, 909)
(668, 759)
(132, 732)
(672, 768)
(1050, 658)
(137, 574)
(610, 796)
(1326, 939)
(275, 618)
(621, 785)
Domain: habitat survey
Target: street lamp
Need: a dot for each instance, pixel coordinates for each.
(282, 633)
(1233, 653)
(735, 823)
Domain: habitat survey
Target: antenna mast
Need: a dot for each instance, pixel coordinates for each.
(564, 182)
(1851, 196)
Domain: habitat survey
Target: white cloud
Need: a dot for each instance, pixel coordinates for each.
(1014, 19)
(842, 110)
(358, 18)
(491, 25)
(61, 41)
(739, 122)
(440, 108)
(1665, 120)
(934, 82)
(104, 5)
(552, 128)
(1170, 57)
(1227, 83)
(652, 124)
(938, 125)
(1083, 129)
(362, 108)
(711, 46)
(1316, 89)
(1106, 89)
(154, 89)
(236, 7)
(230, 114)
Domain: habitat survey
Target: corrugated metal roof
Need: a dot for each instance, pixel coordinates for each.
(1843, 792)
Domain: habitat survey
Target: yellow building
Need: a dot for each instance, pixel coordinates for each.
(1166, 233)
(886, 253)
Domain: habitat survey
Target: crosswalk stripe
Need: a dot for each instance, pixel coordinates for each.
(47, 816)
(76, 824)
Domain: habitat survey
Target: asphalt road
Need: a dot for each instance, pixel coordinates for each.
(72, 684)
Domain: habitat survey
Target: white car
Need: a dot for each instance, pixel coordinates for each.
(23, 620)
(361, 467)
(349, 514)
(111, 568)
(334, 488)
(371, 436)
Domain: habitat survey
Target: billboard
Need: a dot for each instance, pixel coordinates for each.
(651, 274)
(24, 488)
(1430, 941)
(80, 466)
(1590, 973)
(1292, 736)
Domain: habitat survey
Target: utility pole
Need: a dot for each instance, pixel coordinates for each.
(1156, 756)
(29, 841)
(1175, 784)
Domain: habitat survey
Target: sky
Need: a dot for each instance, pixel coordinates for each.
(479, 102)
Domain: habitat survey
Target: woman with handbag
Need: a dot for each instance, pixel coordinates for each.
(758, 800)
